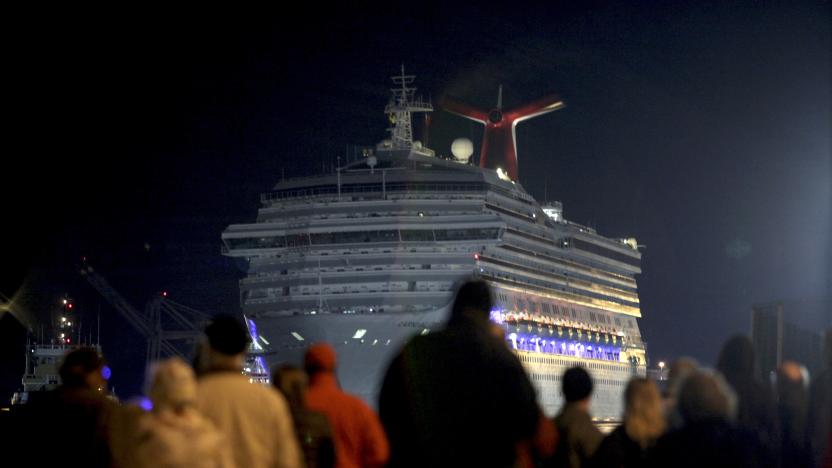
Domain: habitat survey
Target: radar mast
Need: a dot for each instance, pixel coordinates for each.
(402, 104)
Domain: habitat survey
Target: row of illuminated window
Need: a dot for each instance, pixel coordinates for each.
(311, 214)
(280, 258)
(523, 342)
(572, 265)
(561, 267)
(357, 237)
(591, 297)
(259, 294)
(262, 277)
(523, 304)
(554, 309)
(561, 349)
(376, 188)
(538, 269)
(348, 310)
(273, 264)
(574, 332)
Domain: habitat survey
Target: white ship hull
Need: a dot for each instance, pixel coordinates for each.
(364, 343)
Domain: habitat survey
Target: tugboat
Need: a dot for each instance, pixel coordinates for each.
(45, 353)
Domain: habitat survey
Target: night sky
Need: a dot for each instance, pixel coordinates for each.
(702, 129)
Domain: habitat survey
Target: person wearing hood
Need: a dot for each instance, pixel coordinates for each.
(358, 435)
(174, 433)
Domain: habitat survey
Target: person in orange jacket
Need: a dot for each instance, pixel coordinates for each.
(360, 440)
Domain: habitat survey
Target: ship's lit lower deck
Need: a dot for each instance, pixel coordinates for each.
(366, 343)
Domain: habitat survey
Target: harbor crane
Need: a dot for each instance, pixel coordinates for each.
(171, 329)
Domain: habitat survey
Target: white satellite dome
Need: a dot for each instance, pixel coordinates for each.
(462, 149)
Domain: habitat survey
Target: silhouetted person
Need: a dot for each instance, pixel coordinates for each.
(174, 433)
(360, 440)
(820, 406)
(579, 438)
(312, 428)
(755, 405)
(792, 392)
(70, 425)
(459, 396)
(644, 422)
(708, 436)
(254, 419)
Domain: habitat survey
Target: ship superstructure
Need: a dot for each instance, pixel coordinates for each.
(45, 353)
(367, 256)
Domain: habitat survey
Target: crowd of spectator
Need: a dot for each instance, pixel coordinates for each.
(454, 397)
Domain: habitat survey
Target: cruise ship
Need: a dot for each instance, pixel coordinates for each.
(366, 256)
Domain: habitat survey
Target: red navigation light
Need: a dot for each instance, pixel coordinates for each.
(69, 306)
(164, 294)
(476, 256)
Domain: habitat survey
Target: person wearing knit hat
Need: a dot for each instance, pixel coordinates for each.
(579, 436)
(254, 419)
(359, 437)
